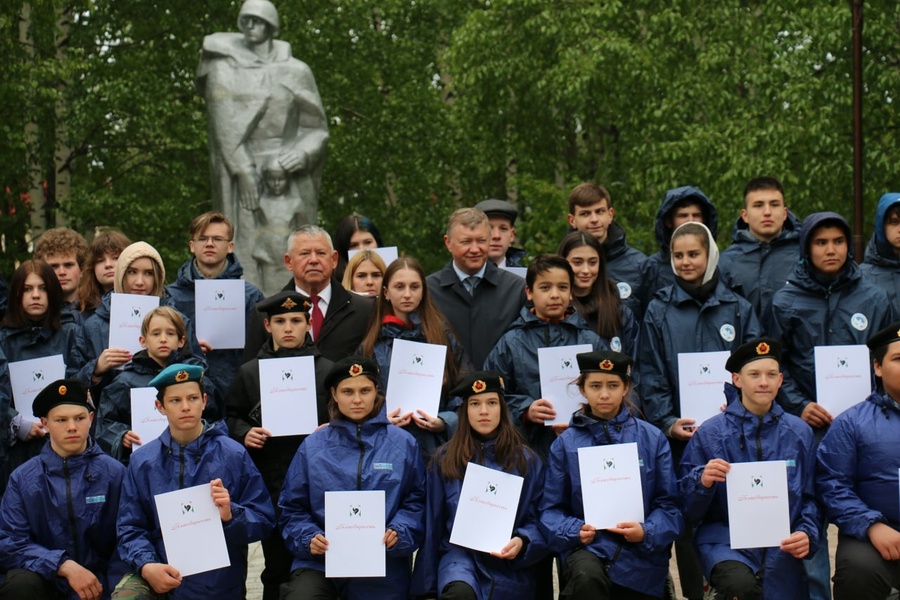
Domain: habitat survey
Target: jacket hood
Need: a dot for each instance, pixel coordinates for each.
(210, 431)
(712, 260)
(816, 220)
(887, 201)
(132, 253)
(874, 255)
(789, 232)
(880, 399)
(188, 272)
(673, 197)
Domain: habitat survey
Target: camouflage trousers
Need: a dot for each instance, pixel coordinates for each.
(134, 587)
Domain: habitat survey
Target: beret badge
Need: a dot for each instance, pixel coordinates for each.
(606, 365)
(479, 386)
(62, 390)
(288, 304)
(181, 376)
(355, 370)
(762, 348)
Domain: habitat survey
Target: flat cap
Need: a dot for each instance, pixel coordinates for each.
(500, 208)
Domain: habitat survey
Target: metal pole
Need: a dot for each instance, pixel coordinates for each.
(858, 148)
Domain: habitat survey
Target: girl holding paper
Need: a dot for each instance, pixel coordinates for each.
(405, 311)
(629, 561)
(485, 436)
(359, 450)
(35, 326)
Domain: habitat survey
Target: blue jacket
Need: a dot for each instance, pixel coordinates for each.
(165, 466)
(858, 464)
(390, 330)
(624, 265)
(113, 419)
(882, 265)
(756, 269)
(344, 456)
(737, 436)
(657, 273)
(36, 530)
(516, 357)
(639, 566)
(439, 562)
(675, 322)
(223, 364)
(810, 312)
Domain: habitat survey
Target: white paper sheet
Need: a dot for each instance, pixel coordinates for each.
(611, 485)
(28, 377)
(287, 392)
(388, 253)
(558, 370)
(125, 317)
(146, 421)
(486, 514)
(354, 528)
(843, 376)
(758, 511)
(701, 380)
(415, 377)
(192, 530)
(220, 317)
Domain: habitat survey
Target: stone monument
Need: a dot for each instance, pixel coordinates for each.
(267, 136)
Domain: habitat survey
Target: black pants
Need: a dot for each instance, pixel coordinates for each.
(277, 569)
(309, 584)
(457, 590)
(587, 579)
(734, 580)
(860, 573)
(21, 584)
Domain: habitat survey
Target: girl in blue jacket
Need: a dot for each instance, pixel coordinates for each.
(485, 436)
(358, 450)
(629, 561)
(405, 312)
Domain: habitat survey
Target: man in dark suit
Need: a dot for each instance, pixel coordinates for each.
(478, 299)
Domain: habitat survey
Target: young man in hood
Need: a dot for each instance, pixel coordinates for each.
(882, 262)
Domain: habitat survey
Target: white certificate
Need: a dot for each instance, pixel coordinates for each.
(192, 530)
(558, 370)
(843, 376)
(287, 393)
(487, 508)
(126, 315)
(146, 421)
(388, 253)
(28, 377)
(611, 485)
(354, 528)
(758, 513)
(415, 377)
(220, 313)
(701, 382)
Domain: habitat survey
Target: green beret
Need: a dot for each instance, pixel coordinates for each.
(351, 366)
(888, 335)
(177, 373)
(753, 350)
(62, 391)
(605, 361)
(479, 382)
(284, 302)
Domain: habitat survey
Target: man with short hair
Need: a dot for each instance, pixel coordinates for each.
(591, 211)
(212, 245)
(58, 515)
(478, 299)
(502, 216)
(66, 252)
(339, 320)
(766, 244)
(882, 262)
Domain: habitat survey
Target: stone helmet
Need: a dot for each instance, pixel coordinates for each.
(261, 9)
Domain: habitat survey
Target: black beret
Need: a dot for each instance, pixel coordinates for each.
(284, 302)
(501, 208)
(605, 361)
(62, 391)
(753, 350)
(886, 336)
(479, 382)
(352, 366)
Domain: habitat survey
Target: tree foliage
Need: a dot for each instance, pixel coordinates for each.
(435, 105)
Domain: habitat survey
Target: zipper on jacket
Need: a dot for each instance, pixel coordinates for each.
(181, 468)
(606, 432)
(759, 452)
(72, 522)
(362, 453)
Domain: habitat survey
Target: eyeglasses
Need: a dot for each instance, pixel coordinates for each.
(215, 240)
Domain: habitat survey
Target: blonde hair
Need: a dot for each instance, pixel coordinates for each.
(358, 259)
(168, 313)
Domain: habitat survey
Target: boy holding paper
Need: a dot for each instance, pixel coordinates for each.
(53, 553)
(752, 429)
(857, 481)
(287, 321)
(190, 452)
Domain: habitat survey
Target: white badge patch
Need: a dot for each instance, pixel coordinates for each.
(615, 344)
(727, 332)
(624, 290)
(859, 322)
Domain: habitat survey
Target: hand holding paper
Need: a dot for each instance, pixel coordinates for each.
(714, 472)
(797, 545)
(162, 578)
(632, 532)
(221, 498)
(586, 534)
(511, 550)
(540, 410)
(390, 538)
(130, 439)
(318, 545)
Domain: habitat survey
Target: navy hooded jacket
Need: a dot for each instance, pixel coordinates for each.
(882, 264)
